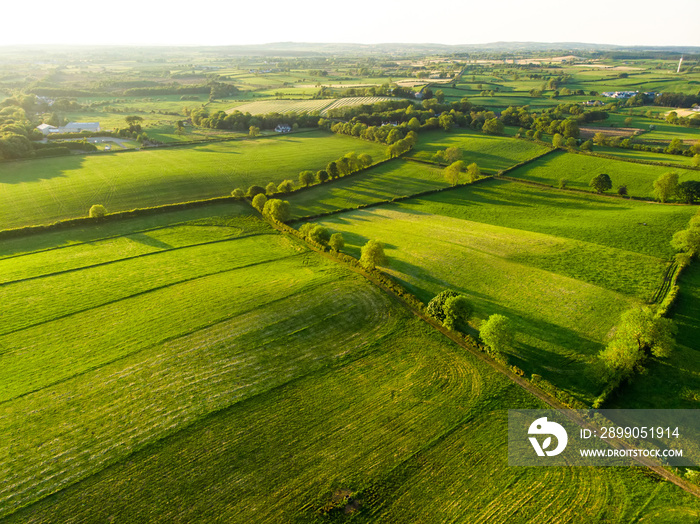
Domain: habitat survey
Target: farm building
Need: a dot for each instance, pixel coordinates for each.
(283, 128)
(46, 129)
(77, 127)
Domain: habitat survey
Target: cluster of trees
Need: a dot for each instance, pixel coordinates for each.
(688, 240)
(238, 121)
(274, 208)
(676, 100)
(385, 134)
(667, 186)
(451, 309)
(692, 121)
(454, 170)
(675, 146)
(321, 235)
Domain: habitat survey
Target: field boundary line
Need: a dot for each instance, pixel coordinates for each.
(520, 381)
(145, 292)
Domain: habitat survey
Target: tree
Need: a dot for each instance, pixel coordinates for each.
(457, 311)
(446, 121)
(365, 160)
(285, 186)
(601, 183)
(497, 333)
(323, 176)
(97, 211)
(237, 193)
(271, 188)
(255, 190)
(473, 172)
(332, 169)
(372, 254)
(587, 146)
(436, 306)
(306, 178)
(558, 140)
(665, 186)
(259, 201)
(253, 131)
(414, 124)
(493, 127)
(336, 241)
(319, 234)
(639, 335)
(452, 154)
(622, 191)
(452, 172)
(688, 191)
(687, 240)
(277, 209)
(600, 139)
(571, 142)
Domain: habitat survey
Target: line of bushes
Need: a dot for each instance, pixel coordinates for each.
(634, 160)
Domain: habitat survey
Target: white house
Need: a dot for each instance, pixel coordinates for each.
(283, 128)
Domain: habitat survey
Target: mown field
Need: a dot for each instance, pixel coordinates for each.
(548, 259)
(43, 191)
(579, 169)
(274, 383)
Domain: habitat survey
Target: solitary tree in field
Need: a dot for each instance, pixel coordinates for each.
(497, 333)
(372, 254)
(97, 211)
(259, 201)
(336, 241)
(277, 209)
(306, 178)
(452, 172)
(601, 183)
(665, 186)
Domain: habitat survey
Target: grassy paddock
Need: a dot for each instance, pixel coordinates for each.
(579, 170)
(46, 190)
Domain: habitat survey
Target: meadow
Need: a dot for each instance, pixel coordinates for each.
(491, 153)
(273, 419)
(579, 169)
(323, 105)
(46, 190)
(547, 259)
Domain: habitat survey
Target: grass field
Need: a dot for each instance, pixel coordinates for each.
(545, 258)
(579, 169)
(46, 190)
(393, 179)
(491, 153)
(298, 106)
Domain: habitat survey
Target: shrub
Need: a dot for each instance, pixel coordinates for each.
(255, 190)
(436, 307)
(278, 210)
(237, 193)
(259, 201)
(336, 241)
(97, 211)
(271, 188)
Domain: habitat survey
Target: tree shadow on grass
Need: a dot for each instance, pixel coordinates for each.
(35, 170)
(143, 238)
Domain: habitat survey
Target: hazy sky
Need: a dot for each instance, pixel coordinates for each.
(215, 22)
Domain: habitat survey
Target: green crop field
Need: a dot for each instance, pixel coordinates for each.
(247, 391)
(46, 190)
(579, 169)
(546, 258)
(491, 153)
(298, 106)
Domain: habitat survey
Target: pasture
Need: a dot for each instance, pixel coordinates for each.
(491, 153)
(579, 169)
(544, 258)
(46, 190)
(321, 106)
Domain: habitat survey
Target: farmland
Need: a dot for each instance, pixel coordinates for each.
(201, 362)
(46, 190)
(515, 250)
(579, 169)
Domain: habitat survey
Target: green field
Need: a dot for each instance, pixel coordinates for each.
(275, 382)
(397, 178)
(546, 258)
(46, 190)
(491, 153)
(579, 169)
